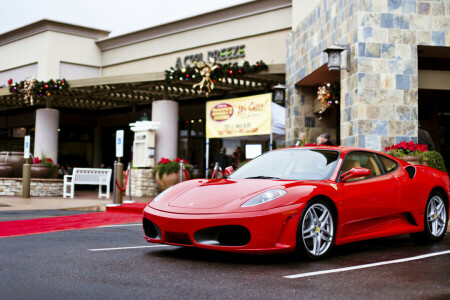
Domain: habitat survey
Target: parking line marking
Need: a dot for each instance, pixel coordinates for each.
(396, 261)
(121, 225)
(125, 248)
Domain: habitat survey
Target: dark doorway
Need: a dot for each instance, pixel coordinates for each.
(434, 117)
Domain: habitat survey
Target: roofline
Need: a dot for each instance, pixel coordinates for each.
(141, 77)
(50, 25)
(207, 19)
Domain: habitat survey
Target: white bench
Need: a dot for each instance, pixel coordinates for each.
(87, 176)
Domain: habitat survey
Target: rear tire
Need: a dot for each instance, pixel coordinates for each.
(436, 220)
(316, 230)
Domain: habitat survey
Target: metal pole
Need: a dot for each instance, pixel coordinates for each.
(271, 141)
(26, 178)
(119, 180)
(114, 182)
(216, 170)
(129, 180)
(181, 171)
(207, 157)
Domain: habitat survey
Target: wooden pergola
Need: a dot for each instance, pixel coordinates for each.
(109, 92)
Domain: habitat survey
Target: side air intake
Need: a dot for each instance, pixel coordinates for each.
(411, 171)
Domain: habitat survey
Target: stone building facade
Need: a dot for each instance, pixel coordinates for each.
(379, 94)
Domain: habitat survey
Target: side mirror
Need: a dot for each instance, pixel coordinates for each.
(228, 170)
(355, 172)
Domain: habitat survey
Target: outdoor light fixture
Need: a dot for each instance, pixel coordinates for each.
(334, 57)
(279, 94)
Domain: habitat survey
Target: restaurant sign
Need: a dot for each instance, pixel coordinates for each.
(219, 55)
(239, 117)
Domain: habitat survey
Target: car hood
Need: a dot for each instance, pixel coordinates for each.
(218, 196)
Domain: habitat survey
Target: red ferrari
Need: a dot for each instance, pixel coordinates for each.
(303, 198)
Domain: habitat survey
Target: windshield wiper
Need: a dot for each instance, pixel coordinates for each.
(262, 177)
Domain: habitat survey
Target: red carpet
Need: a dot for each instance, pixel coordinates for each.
(84, 221)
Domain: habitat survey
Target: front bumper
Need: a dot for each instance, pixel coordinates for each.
(268, 231)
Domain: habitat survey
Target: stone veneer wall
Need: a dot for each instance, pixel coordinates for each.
(379, 96)
(143, 183)
(38, 187)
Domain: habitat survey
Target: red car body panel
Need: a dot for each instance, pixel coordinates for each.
(389, 204)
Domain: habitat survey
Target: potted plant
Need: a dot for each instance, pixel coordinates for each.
(410, 152)
(44, 168)
(167, 172)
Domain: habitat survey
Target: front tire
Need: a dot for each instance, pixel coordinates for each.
(436, 220)
(316, 230)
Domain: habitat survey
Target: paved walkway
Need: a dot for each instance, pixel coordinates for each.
(83, 201)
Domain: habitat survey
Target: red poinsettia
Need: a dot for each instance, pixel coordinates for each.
(10, 81)
(178, 160)
(164, 161)
(406, 148)
(38, 161)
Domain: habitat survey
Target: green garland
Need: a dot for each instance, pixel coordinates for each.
(222, 71)
(41, 88)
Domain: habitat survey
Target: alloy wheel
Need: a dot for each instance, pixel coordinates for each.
(436, 216)
(317, 229)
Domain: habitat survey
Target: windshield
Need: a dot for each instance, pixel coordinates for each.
(290, 164)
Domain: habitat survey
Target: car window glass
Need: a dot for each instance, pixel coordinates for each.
(361, 160)
(388, 163)
(290, 164)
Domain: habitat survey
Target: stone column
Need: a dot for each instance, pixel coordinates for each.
(166, 113)
(46, 133)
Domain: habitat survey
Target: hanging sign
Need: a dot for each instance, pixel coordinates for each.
(239, 117)
(26, 147)
(119, 143)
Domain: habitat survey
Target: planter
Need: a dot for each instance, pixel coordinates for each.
(16, 160)
(414, 160)
(168, 180)
(40, 171)
(6, 170)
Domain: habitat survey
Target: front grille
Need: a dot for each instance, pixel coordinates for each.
(178, 238)
(228, 235)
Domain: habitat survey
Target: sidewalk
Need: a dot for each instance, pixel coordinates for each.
(83, 201)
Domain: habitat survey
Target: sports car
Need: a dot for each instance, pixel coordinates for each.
(307, 199)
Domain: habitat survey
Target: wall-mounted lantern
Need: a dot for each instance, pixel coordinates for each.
(279, 94)
(334, 57)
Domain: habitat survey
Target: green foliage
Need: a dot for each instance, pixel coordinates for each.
(435, 160)
(167, 168)
(51, 166)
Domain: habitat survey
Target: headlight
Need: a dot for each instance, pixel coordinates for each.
(157, 198)
(264, 197)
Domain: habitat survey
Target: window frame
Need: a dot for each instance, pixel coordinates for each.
(377, 161)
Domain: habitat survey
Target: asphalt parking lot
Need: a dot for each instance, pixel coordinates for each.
(115, 262)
